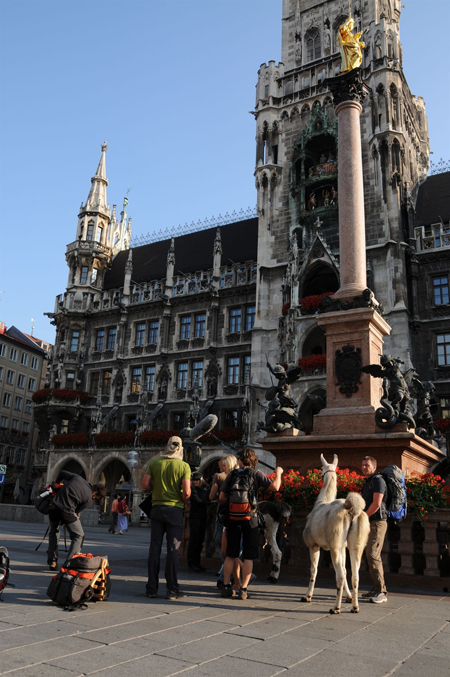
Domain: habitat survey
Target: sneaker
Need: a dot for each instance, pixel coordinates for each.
(369, 594)
(379, 599)
(243, 594)
(52, 566)
(172, 594)
(151, 595)
(226, 591)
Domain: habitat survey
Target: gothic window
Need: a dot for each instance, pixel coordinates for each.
(99, 234)
(106, 382)
(90, 231)
(70, 380)
(153, 332)
(95, 379)
(185, 327)
(111, 338)
(74, 341)
(100, 340)
(250, 313)
(182, 374)
(247, 368)
(313, 46)
(233, 371)
(140, 334)
(440, 290)
(395, 151)
(197, 373)
(235, 320)
(199, 325)
(230, 418)
(94, 275)
(136, 379)
(150, 378)
(83, 274)
(443, 349)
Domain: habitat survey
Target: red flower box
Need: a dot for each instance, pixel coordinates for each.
(313, 364)
(65, 440)
(310, 304)
(103, 440)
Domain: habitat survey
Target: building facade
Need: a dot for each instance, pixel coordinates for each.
(151, 338)
(23, 365)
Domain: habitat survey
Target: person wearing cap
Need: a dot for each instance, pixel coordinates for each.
(197, 522)
(169, 479)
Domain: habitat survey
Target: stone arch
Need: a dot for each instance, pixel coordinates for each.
(313, 44)
(68, 462)
(313, 342)
(319, 278)
(112, 466)
(310, 406)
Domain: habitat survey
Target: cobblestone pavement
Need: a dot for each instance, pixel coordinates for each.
(272, 633)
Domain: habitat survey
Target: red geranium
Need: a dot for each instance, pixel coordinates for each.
(313, 363)
(310, 304)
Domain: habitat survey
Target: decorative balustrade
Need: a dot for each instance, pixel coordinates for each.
(436, 236)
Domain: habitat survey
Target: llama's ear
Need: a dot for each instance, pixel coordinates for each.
(322, 460)
(335, 460)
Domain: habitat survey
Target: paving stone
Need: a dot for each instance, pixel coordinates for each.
(327, 663)
(268, 627)
(228, 665)
(120, 615)
(422, 664)
(243, 616)
(208, 648)
(395, 647)
(330, 628)
(47, 671)
(439, 646)
(156, 666)
(36, 653)
(283, 650)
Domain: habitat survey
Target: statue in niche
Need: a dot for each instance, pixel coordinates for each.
(350, 46)
(334, 196)
(423, 417)
(327, 41)
(211, 382)
(312, 202)
(281, 412)
(162, 390)
(395, 401)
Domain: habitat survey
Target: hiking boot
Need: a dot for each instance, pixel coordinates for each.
(52, 566)
(226, 591)
(380, 598)
(172, 594)
(243, 594)
(151, 595)
(369, 594)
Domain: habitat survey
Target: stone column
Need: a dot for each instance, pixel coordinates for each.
(348, 92)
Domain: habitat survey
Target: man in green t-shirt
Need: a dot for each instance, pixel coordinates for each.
(169, 478)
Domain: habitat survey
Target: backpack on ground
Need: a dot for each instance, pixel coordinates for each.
(84, 578)
(4, 569)
(242, 500)
(396, 501)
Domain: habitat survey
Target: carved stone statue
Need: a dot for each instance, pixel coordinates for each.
(423, 417)
(350, 46)
(396, 395)
(281, 414)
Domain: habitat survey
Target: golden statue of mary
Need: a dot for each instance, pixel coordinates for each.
(350, 46)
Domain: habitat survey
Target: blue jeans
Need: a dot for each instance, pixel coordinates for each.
(164, 520)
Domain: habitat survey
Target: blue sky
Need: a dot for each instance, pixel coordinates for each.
(168, 84)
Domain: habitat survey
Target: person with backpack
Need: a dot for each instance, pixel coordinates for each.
(374, 493)
(69, 500)
(240, 490)
(170, 478)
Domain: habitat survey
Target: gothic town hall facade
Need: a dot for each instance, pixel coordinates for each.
(142, 349)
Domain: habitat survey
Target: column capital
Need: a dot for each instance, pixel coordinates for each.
(348, 87)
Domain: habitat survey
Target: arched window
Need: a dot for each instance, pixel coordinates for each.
(395, 156)
(313, 46)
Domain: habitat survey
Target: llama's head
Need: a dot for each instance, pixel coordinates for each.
(327, 467)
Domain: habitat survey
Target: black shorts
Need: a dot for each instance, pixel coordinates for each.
(249, 535)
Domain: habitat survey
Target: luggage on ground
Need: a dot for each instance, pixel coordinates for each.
(84, 578)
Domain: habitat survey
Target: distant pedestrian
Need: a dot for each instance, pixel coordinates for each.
(374, 493)
(122, 517)
(242, 486)
(114, 513)
(197, 522)
(170, 478)
(75, 495)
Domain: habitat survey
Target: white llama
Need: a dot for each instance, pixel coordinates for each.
(333, 525)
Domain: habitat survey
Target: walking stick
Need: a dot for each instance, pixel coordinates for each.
(45, 536)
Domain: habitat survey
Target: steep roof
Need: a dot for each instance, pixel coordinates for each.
(433, 200)
(193, 252)
(19, 336)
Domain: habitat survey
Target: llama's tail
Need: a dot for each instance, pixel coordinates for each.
(355, 504)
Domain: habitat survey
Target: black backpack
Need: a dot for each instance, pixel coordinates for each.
(84, 578)
(4, 569)
(242, 500)
(396, 501)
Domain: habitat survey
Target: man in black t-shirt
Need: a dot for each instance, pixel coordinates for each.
(247, 531)
(374, 493)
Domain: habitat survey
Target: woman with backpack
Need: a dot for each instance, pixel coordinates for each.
(226, 465)
(240, 489)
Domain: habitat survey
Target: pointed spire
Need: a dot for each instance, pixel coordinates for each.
(97, 195)
(171, 253)
(217, 258)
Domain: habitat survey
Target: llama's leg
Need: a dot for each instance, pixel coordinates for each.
(336, 558)
(314, 553)
(271, 539)
(355, 558)
(348, 594)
